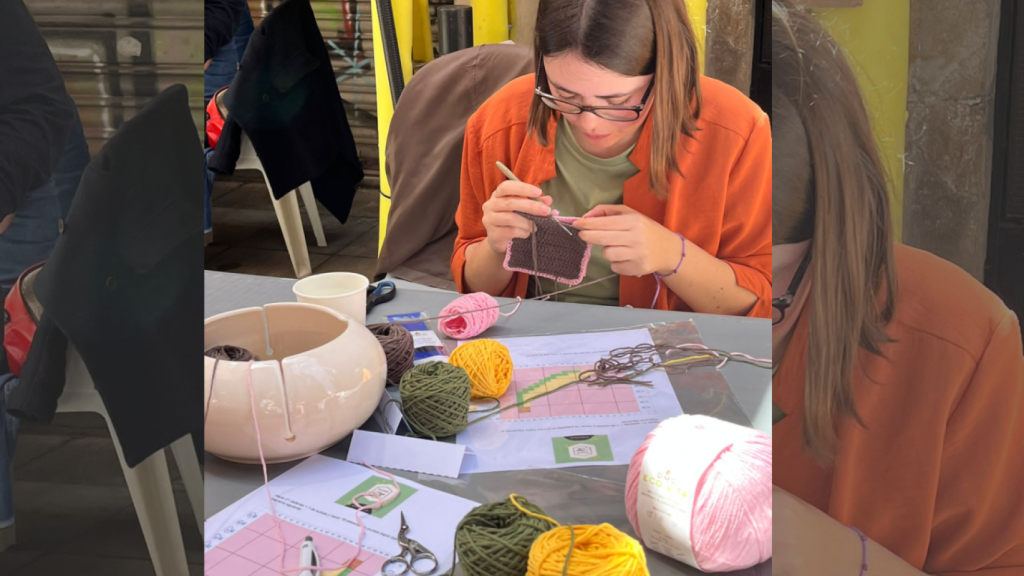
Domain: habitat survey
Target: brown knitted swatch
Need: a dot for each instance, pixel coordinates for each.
(561, 257)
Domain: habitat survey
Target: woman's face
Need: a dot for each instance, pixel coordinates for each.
(576, 80)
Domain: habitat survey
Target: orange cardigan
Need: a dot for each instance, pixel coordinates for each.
(937, 477)
(723, 203)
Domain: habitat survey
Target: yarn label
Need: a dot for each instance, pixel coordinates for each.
(427, 346)
(667, 487)
(424, 338)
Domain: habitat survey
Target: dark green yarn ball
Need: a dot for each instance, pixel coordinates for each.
(435, 399)
(495, 539)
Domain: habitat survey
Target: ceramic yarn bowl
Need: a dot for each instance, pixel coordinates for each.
(326, 371)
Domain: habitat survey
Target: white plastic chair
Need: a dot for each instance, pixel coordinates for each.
(150, 482)
(288, 215)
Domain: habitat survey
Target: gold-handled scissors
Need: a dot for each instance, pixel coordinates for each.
(416, 551)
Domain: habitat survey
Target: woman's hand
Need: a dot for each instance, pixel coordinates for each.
(633, 243)
(500, 219)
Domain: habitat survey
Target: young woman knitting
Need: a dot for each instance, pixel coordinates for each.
(897, 446)
(670, 172)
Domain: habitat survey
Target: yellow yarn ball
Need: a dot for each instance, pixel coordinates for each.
(597, 551)
(488, 364)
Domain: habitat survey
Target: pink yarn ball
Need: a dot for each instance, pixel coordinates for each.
(473, 319)
(731, 527)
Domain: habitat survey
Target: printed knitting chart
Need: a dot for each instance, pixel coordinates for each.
(311, 500)
(538, 434)
(529, 383)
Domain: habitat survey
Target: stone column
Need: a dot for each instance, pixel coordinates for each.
(950, 108)
(730, 42)
(526, 18)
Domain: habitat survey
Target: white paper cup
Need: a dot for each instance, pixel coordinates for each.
(344, 292)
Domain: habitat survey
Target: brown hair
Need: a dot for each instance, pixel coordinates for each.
(631, 38)
(820, 116)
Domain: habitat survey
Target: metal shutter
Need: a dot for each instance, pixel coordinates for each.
(115, 55)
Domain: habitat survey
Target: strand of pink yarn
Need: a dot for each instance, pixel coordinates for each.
(270, 499)
(731, 526)
(490, 304)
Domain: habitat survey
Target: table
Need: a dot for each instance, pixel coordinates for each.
(583, 495)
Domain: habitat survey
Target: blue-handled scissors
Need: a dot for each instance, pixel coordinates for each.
(416, 551)
(379, 294)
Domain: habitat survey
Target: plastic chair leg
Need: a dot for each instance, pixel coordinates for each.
(150, 486)
(188, 464)
(290, 219)
(306, 190)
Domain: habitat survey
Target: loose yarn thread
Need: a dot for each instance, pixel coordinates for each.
(494, 539)
(435, 407)
(495, 306)
(399, 349)
(601, 550)
(270, 499)
(731, 526)
(489, 365)
(238, 354)
(436, 413)
(435, 399)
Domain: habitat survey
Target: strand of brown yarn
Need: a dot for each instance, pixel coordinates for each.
(625, 365)
(231, 354)
(399, 349)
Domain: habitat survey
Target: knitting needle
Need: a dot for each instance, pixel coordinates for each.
(508, 174)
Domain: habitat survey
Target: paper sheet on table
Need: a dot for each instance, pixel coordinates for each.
(577, 426)
(311, 499)
(405, 453)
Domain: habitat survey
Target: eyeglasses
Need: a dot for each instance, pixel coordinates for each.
(782, 303)
(613, 113)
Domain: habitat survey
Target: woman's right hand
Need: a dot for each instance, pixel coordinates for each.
(500, 218)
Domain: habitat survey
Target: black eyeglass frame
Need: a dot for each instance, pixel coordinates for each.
(782, 303)
(595, 110)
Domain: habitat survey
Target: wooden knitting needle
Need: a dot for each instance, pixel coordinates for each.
(508, 174)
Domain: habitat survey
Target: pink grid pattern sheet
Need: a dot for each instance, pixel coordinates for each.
(578, 400)
(255, 550)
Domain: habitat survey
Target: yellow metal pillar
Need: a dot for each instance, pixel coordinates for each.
(876, 40)
(422, 40)
(513, 19)
(403, 24)
(698, 10)
(490, 21)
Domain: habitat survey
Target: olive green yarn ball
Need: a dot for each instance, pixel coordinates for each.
(495, 539)
(435, 399)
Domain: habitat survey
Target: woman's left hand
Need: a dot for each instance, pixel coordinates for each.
(808, 542)
(633, 243)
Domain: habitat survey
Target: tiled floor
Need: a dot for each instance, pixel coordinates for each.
(247, 238)
(73, 512)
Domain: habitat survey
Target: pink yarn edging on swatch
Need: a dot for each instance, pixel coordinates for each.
(270, 500)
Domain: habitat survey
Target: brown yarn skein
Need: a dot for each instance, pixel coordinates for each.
(398, 349)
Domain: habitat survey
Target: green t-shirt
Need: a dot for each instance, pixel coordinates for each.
(583, 182)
